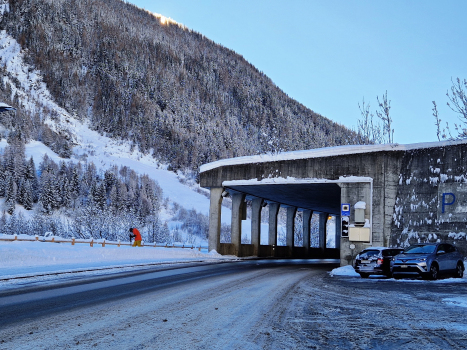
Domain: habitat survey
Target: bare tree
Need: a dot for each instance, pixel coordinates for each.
(437, 121)
(383, 114)
(441, 133)
(369, 131)
(458, 103)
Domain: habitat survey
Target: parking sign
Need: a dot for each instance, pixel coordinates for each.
(345, 209)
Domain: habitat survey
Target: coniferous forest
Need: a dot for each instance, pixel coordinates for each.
(95, 205)
(167, 90)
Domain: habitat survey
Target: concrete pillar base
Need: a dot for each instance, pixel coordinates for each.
(290, 229)
(215, 219)
(272, 238)
(238, 201)
(307, 230)
(256, 206)
(323, 219)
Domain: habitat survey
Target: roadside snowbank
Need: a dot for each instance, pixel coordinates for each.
(23, 259)
(344, 271)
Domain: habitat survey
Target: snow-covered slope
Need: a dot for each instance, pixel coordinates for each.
(32, 94)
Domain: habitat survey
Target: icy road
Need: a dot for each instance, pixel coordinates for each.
(256, 304)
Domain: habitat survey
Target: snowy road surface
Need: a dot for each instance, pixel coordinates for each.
(242, 305)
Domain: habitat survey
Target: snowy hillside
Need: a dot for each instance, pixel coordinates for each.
(89, 146)
(139, 77)
(32, 95)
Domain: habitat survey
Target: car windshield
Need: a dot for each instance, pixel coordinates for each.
(420, 249)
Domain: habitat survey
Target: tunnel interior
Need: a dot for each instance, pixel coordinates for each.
(318, 197)
(321, 198)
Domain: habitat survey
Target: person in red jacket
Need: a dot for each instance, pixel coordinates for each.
(134, 233)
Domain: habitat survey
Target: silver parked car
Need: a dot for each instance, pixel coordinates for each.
(428, 260)
(375, 261)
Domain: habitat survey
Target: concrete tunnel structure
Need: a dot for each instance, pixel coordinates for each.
(387, 195)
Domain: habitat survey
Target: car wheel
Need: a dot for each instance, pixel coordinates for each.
(460, 270)
(364, 275)
(397, 277)
(434, 272)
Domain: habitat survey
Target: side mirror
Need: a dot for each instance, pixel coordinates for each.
(441, 252)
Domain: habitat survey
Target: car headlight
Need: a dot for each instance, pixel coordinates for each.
(422, 259)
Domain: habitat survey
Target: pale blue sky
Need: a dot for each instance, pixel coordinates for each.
(330, 54)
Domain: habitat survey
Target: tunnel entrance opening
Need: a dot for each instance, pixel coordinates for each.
(302, 231)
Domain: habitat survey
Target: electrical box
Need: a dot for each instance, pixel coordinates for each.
(359, 216)
(359, 234)
(359, 208)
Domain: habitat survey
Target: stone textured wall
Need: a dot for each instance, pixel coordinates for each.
(425, 175)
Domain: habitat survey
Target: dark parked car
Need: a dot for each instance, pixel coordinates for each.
(375, 261)
(428, 260)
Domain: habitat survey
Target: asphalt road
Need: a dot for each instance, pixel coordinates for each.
(241, 305)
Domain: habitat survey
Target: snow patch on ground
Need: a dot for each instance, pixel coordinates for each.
(344, 271)
(456, 301)
(349, 271)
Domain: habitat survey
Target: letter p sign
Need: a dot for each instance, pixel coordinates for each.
(444, 203)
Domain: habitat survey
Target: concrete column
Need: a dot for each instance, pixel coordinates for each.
(273, 211)
(290, 229)
(256, 206)
(323, 218)
(307, 229)
(215, 219)
(338, 231)
(238, 201)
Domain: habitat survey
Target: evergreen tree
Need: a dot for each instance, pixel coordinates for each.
(74, 186)
(11, 193)
(50, 194)
(27, 196)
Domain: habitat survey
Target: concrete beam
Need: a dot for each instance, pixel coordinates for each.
(307, 229)
(215, 219)
(290, 229)
(256, 206)
(238, 201)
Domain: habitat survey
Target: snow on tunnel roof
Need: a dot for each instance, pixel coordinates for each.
(325, 152)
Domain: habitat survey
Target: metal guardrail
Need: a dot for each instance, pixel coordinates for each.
(91, 242)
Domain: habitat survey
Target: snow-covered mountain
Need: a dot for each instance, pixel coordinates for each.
(91, 85)
(173, 93)
(32, 95)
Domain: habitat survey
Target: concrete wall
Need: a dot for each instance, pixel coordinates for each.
(425, 175)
